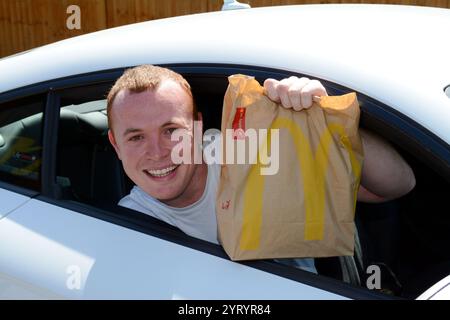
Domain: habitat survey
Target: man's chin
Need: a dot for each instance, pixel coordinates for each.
(161, 195)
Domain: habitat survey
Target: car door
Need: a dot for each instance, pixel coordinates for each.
(52, 246)
(21, 123)
(76, 256)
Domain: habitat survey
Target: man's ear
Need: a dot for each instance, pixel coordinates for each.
(112, 140)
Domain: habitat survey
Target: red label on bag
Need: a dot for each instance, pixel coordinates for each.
(226, 205)
(239, 124)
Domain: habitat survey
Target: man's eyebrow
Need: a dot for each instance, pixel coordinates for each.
(134, 130)
(131, 130)
(169, 123)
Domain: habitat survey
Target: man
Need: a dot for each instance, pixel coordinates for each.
(147, 104)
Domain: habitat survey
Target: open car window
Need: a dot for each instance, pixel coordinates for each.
(396, 239)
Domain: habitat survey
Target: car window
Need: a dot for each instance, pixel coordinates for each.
(87, 168)
(21, 124)
(395, 237)
(82, 150)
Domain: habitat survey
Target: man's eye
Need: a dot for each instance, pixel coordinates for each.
(170, 130)
(136, 138)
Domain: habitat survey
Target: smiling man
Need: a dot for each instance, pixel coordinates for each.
(141, 126)
(148, 103)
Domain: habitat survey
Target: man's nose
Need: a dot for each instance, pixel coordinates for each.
(156, 149)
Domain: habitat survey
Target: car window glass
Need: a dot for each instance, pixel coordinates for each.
(82, 143)
(21, 141)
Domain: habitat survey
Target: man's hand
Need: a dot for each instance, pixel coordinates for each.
(293, 92)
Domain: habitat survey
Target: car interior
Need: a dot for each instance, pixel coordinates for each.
(406, 238)
(20, 143)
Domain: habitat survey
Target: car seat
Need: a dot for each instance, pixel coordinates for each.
(21, 151)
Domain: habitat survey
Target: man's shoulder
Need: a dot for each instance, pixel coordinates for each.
(133, 200)
(126, 201)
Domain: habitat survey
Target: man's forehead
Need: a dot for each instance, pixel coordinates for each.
(166, 91)
(145, 106)
(125, 95)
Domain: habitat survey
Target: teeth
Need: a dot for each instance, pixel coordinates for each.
(162, 172)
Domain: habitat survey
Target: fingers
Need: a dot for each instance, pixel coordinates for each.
(271, 89)
(286, 91)
(294, 92)
(311, 89)
(283, 91)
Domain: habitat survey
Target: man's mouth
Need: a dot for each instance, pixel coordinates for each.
(160, 173)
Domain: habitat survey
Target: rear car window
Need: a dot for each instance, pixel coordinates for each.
(21, 141)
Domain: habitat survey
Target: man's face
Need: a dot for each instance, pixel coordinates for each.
(142, 127)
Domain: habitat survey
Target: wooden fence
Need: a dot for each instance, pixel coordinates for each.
(25, 24)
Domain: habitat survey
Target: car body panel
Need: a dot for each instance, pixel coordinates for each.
(372, 49)
(10, 201)
(119, 263)
(440, 291)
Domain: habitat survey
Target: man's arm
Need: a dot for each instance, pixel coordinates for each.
(385, 175)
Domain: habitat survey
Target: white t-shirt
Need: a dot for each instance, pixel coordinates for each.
(197, 220)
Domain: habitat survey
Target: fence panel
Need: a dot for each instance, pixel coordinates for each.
(25, 24)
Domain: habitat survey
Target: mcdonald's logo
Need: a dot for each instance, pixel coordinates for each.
(313, 168)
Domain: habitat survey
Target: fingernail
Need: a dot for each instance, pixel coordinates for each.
(316, 98)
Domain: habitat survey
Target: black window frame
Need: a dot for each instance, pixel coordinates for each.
(373, 112)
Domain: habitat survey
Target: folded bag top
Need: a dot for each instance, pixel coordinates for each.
(290, 178)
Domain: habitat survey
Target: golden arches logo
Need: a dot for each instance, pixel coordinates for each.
(313, 171)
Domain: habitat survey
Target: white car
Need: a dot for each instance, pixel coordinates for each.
(62, 234)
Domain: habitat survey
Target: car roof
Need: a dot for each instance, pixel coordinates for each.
(396, 54)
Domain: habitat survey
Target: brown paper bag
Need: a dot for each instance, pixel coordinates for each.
(305, 208)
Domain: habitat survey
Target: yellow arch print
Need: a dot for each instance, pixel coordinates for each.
(314, 171)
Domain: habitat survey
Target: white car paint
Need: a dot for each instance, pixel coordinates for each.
(9, 201)
(234, 5)
(119, 263)
(396, 54)
(440, 291)
(13, 288)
